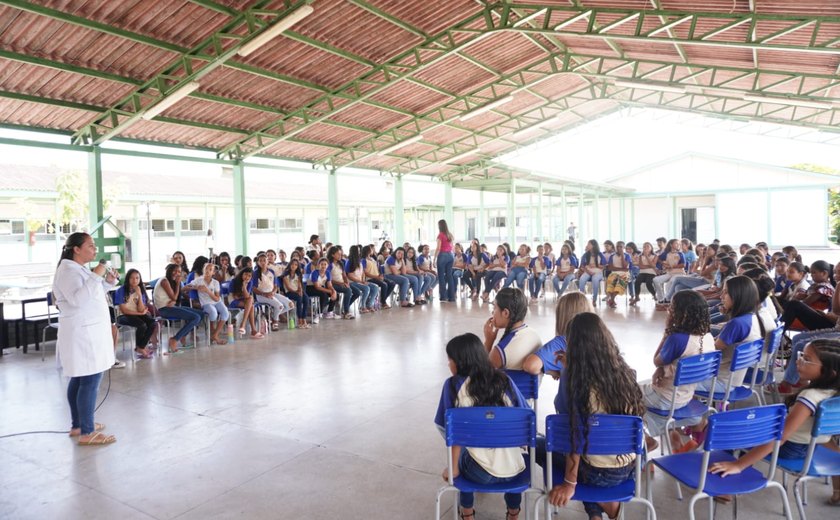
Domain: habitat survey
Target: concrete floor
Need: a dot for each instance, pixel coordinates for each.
(333, 422)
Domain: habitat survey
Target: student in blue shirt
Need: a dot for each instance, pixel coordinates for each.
(592, 265)
(564, 267)
(426, 268)
(549, 358)
(540, 268)
(320, 286)
(519, 268)
(395, 273)
(619, 265)
(496, 272)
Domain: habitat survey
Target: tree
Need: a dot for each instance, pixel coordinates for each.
(833, 195)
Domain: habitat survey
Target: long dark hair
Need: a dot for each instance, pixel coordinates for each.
(412, 259)
(73, 241)
(487, 385)
(230, 268)
(596, 373)
(594, 251)
(512, 300)
(766, 287)
(353, 259)
(184, 264)
(127, 293)
(236, 285)
(170, 278)
(331, 253)
(689, 314)
(731, 269)
(744, 295)
(257, 269)
(828, 351)
(367, 251)
(822, 265)
(443, 228)
(289, 272)
(198, 265)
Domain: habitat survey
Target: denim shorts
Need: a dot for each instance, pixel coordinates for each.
(793, 450)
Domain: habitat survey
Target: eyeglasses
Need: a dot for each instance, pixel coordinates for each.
(800, 358)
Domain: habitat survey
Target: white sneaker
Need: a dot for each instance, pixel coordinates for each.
(329, 316)
(118, 364)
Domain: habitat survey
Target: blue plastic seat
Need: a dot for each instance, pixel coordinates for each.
(727, 432)
(490, 427)
(690, 370)
(528, 385)
(608, 435)
(819, 460)
(746, 355)
(765, 378)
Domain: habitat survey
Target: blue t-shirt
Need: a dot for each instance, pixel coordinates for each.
(547, 353)
(391, 260)
(674, 347)
(737, 329)
(781, 283)
(546, 261)
(119, 296)
(422, 259)
(450, 391)
(690, 257)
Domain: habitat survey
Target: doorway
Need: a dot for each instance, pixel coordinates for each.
(471, 228)
(697, 222)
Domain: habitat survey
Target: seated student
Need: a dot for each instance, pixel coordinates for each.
(424, 280)
(459, 267)
(673, 263)
(819, 364)
(292, 279)
(180, 260)
(540, 267)
(340, 282)
(564, 269)
(583, 392)
(166, 295)
(592, 265)
(226, 271)
(633, 250)
(780, 274)
(282, 262)
(660, 246)
(495, 272)
(519, 268)
(609, 248)
(369, 292)
(475, 382)
(425, 264)
(131, 300)
(548, 251)
(375, 276)
(242, 298)
(686, 334)
(700, 254)
(740, 303)
(264, 288)
(792, 254)
(742, 250)
(210, 299)
(395, 273)
(703, 274)
(725, 269)
(384, 252)
(274, 266)
(518, 340)
(811, 304)
(619, 264)
(477, 263)
(549, 358)
(320, 286)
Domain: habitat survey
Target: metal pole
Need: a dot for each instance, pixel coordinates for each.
(149, 235)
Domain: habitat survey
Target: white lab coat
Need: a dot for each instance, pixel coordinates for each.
(85, 344)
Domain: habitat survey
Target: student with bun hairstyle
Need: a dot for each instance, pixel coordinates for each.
(518, 340)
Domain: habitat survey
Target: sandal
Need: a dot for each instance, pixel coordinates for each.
(242, 331)
(258, 335)
(143, 353)
(508, 514)
(466, 515)
(98, 439)
(834, 500)
(97, 427)
(275, 326)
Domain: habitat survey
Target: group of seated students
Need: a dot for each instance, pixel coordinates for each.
(580, 355)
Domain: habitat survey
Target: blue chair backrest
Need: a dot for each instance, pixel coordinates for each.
(745, 428)
(528, 384)
(152, 283)
(774, 340)
(491, 427)
(746, 355)
(699, 368)
(827, 418)
(50, 302)
(224, 288)
(193, 295)
(608, 434)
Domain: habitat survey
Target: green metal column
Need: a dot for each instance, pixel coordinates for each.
(448, 215)
(826, 205)
(530, 229)
(482, 223)
(332, 207)
(399, 212)
(95, 201)
(610, 219)
(564, 210)
(135, 235)
(596, 222)
(511, 215)
(540, 225)
(240, 216)
(622, 216)
(580, 226)
(178, 227)
(633, 218)
(769, 237)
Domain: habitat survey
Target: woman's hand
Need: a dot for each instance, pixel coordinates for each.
(100, 269)
(445, 474)
(490, 330)
(560, 495)
(726, 468)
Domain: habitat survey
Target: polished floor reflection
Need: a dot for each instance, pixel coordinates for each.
(332, 422)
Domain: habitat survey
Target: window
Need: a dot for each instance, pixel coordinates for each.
(185, 225)
(196, 224)
(261, 224)
(497, 222)
(376, 224)
(290, 224)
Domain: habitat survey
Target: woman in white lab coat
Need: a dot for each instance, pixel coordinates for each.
(85, 348)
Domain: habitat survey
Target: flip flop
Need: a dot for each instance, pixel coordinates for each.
(141, 355)
(97, 427)
(98, 439)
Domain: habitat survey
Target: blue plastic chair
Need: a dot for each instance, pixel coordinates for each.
(608, 435)
(820, 461)
(490, 427)
(690, 370)
(765, 378)
(726, 432)
(52, 324)
(745, 355)
(528, 385)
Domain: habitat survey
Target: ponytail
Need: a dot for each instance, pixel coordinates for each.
(73, 241)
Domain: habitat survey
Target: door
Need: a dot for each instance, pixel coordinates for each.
(689, 224)
(471, 228)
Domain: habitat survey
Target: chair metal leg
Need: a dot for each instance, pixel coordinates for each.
(785, 502)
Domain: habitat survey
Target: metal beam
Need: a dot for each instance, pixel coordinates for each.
(241, 225)
(95, 199)
(332, 205)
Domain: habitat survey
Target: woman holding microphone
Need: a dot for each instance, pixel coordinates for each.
(85, 348)
(445, 259)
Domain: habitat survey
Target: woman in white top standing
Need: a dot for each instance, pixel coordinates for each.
(85, 347)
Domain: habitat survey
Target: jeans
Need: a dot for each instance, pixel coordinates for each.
(798, 345)
(659, 284)
(458, 276)
(416, 282)
(349, 296)
(301, 303)
(808, 317)
(385, 288)
(473, 280)
(536, 282)
(326, 304)
(446, 276)
(631, 288)
(793, 450)
(189, 316)
(472, 471)
(81, 394)
(427, 282)
(589, 475)
(596, 282)
(144, 328)
(402, 282)
(491, 278)
(681, 283)
(216, 311)
(569, 279)
(368, 293)
(519, 274)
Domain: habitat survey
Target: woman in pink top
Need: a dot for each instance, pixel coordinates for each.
(445, 259)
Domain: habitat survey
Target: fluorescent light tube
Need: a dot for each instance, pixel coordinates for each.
(461, 156)
(170, 99)
(650, 86)
(789, 101)
(275, 30)
(400, 145)
(486, 108)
